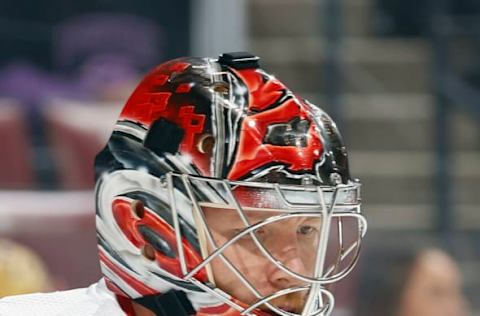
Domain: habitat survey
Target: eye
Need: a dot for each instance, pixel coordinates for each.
(306, 230)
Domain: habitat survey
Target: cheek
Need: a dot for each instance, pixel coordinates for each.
(307, 254)
(249, 265)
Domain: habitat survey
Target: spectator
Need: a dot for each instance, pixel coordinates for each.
(21, 270)
(408, 282)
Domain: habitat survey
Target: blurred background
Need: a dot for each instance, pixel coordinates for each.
(401, 78)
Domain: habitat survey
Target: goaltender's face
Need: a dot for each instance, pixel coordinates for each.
(291, 241)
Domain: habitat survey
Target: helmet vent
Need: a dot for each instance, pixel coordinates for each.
(155, 240)
(148, 252)
(221, 88)
(138, 209)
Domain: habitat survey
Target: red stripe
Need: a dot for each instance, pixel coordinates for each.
(138, 286)
(115, 288)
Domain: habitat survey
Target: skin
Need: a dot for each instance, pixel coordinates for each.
(290, 241)
(433, 287)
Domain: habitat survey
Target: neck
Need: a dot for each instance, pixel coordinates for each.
(140, 310)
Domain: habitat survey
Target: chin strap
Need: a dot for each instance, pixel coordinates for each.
(172, 303)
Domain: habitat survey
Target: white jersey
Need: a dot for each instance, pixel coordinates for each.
(96, 300)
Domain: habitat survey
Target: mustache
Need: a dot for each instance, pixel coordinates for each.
(291, 302)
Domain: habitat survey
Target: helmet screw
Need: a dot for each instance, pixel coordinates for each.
(335, 178)
(138, 209)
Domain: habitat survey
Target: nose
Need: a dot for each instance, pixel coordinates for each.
(285, 250)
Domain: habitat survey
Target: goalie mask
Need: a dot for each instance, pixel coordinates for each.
(220, 192)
